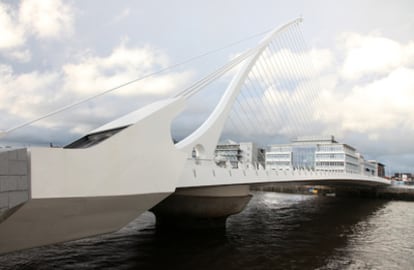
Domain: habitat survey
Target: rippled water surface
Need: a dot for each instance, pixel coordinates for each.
(276, 231)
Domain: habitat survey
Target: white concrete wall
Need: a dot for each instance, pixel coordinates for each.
(14, 180)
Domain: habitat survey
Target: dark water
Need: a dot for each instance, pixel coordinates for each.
(276, 231)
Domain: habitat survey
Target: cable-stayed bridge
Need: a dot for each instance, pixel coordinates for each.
(114, 173)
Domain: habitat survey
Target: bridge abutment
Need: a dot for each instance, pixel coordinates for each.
(204, 208)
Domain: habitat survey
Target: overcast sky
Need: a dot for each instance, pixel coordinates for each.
(53, 53)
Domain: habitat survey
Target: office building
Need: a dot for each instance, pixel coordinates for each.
(319, 153)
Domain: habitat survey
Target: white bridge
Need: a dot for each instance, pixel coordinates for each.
(109, 177)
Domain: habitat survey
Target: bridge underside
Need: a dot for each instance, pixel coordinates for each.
(341, 188)
(335, 183)
(201, 208)
(40, 222)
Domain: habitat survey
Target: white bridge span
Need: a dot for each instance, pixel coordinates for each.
(202, 175)
(113, 174)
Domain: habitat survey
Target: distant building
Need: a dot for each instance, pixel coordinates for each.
(246, 153)
(368, 168)
(228, 152)
(405, 177)
(379, 168)
(318, 153)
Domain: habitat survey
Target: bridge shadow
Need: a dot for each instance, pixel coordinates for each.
(275, 231)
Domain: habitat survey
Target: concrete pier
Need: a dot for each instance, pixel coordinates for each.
(200, 208)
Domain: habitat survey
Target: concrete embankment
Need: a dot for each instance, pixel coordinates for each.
(403, 193)
(295, 189)
(397, 192)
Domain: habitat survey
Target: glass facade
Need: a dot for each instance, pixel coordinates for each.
(303, 156)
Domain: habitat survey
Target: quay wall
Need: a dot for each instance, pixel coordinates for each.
(394, 192)
(14, 178)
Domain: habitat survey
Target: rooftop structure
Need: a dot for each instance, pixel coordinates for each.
(305, 139)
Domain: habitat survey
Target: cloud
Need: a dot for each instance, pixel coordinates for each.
(382, 104)
(12, 35)
(93, 74)
(47, 18)
(28, 95)
(21, 55)
(366, 100)
(372, 55)
(25, 94)
(321, 60)
(44, 20)
(125, 13)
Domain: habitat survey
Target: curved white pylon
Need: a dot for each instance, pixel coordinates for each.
(206, 137)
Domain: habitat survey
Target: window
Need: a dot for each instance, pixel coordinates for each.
(93, 139)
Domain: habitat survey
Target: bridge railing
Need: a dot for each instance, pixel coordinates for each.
(259, 167)
(205, 172)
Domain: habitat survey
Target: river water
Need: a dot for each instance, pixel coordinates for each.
(275, 231)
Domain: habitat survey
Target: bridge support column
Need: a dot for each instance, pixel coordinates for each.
(200, 208)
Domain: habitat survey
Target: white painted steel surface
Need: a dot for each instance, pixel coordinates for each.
(83, 192)
(128, 163)
(206, 137)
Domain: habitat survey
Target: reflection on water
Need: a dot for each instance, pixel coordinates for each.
(276, 231)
